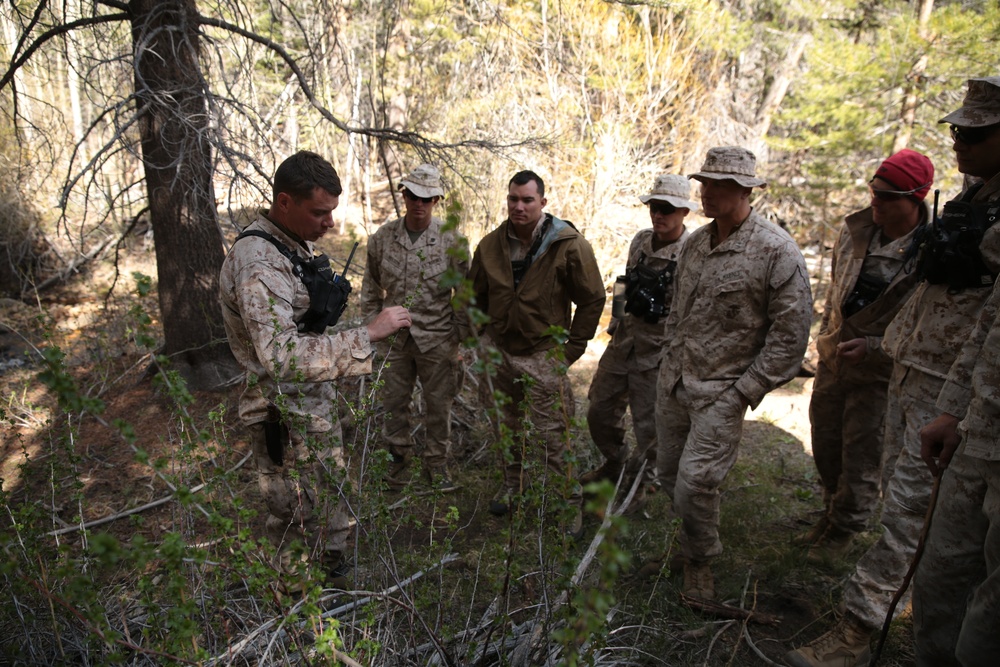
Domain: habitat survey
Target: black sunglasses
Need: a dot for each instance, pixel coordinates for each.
(412, 197)
(973, 135)
(661, 207)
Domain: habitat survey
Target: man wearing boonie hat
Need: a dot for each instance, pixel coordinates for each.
(869, 283)
(408, 260)
(956, 595)
(923, 340)
(626, 375)
(738, 328)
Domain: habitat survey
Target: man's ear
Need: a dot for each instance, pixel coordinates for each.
(282, 201)
(544, 202)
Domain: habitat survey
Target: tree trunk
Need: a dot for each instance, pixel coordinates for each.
(779, 85)
(177, 158)
(914, 83)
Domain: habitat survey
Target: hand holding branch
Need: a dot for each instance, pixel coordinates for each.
(938, 442)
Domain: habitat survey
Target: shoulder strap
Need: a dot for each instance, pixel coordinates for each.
(296, 261)
(282, 248)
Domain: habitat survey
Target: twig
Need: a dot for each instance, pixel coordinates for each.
(136, 510)
(917, 554)
(241, 646)
(97, 631)
(728, 611)
(715, 637)
(760, 654)
(743, 605)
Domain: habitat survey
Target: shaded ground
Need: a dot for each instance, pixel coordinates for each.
(770, 495)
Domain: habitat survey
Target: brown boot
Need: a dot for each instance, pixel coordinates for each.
(609, 470)
(834, 544)
(336, 571)
(438, 478)
(698, 581)
(846, 645)
(639, 500)
(502, 501)
(395, 476)
(814, 535)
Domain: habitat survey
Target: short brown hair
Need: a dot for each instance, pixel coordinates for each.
(302, 173)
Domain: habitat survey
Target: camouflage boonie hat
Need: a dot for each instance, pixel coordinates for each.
(424, 181)
(673, 189)
(731, 163)
(981, 106)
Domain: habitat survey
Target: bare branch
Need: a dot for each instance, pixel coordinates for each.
(53, 33)
(121, 6)
(412, 138)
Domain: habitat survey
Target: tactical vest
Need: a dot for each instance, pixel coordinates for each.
(949, 252)
(328, 292)
(646, 290)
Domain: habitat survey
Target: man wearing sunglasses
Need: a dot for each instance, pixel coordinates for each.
(738, 328)
(414, 261)
(626, 375)
(956, 596)
(869, 282)
(958, 262)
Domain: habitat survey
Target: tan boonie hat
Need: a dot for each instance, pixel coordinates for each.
(731, 163)
(981, 106)
(673, 189)
(424, 181)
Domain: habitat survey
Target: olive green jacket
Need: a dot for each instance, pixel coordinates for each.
(564, 272)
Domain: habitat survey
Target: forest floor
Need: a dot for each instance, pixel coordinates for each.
(75, 468)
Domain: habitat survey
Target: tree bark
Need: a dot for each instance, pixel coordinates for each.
(779, 85)
(177, 158)
(914, 83)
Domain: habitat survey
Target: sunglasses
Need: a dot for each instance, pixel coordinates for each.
(973, 135)
(412, 197)
(894, 195)
(661, 207)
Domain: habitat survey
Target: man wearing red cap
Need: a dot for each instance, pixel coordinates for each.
(868, 285)
(924, 340)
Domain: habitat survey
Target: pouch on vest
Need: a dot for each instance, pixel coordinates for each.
(647, 290)
(950, 254)
(866, 291)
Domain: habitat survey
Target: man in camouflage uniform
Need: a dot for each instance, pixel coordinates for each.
(923, 341)
(526, 276)
(956, 594)
(871, 278)
(413, 261)
(626, 375)
(738, 328)
(290, 372)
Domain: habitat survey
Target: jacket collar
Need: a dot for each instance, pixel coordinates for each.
(285, 236)
(861, 226)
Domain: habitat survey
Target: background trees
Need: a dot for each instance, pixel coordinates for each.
(114, 108)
